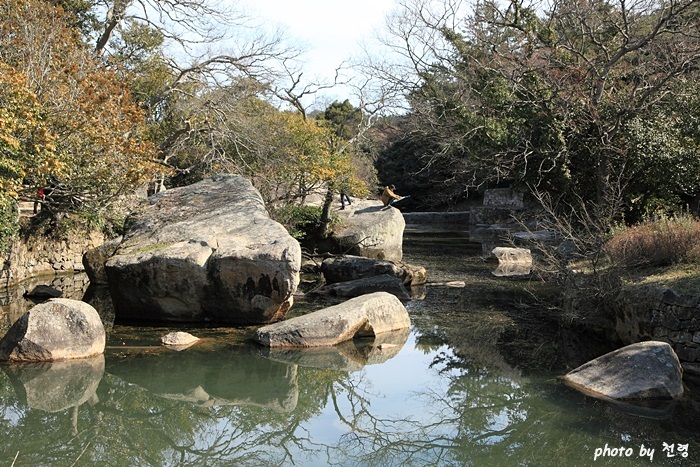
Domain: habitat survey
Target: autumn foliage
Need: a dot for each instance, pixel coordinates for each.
(80, 133)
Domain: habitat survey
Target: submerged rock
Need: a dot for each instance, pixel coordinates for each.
(646, 370)
(208, 252)
(368, 315)
(59, 329)
(178, 338)
(366, 285)
(349, 267)
(350, 355)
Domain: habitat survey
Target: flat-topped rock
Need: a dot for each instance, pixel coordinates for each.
(208, 252)
(368, 315)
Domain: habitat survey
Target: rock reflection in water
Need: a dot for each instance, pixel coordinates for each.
(512, 269)
(56, 386)
(352, 355)
(232, 377)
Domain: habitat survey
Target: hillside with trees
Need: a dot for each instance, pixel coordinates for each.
(591, 106)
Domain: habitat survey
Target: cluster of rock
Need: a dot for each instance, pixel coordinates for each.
(351, 276)
(210, 252)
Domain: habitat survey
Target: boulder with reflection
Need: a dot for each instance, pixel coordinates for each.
(347, 356)
(236, 376)
(646, 370)
(508, 255)
(207, 252)
(56, 386)
(59, 329)
(368, 315)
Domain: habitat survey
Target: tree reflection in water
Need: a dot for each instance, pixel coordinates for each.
(447, 395)
(239, 407)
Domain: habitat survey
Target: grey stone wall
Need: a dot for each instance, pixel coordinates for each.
(38, 256)
(658, 313)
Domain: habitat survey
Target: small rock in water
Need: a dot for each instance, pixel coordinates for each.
(178, 338)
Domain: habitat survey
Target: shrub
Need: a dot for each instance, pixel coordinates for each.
(661, 242)
(301, 221)
(9, 221)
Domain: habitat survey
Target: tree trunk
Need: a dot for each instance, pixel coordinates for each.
(326, 213)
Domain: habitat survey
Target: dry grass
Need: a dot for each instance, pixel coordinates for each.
(659, 243)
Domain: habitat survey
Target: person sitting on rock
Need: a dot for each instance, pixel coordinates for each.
(388, 196)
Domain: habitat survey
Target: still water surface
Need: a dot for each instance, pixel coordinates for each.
(473, 383)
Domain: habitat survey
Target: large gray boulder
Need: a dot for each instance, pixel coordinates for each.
(368, 315)
(646, 370)
(371, 230)
(59, 329)
(208, 252)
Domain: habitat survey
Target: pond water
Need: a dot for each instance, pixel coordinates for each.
(473, 383)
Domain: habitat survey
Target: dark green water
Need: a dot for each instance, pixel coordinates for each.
(473, 383)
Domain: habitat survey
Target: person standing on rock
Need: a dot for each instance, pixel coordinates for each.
(344, 194)
(388, 196)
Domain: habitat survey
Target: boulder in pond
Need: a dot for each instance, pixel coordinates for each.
(349, 267)
(208, 252)
(368, 315)
(59, 329)
(646, 370)
(94, 260)
(508, 255)
(367, 228)
(367, 285)
(178, 338)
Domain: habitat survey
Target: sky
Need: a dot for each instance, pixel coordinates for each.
(330, 30)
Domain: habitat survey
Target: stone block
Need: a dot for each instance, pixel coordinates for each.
(687, 354)
(680, 337)
(503, 198)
